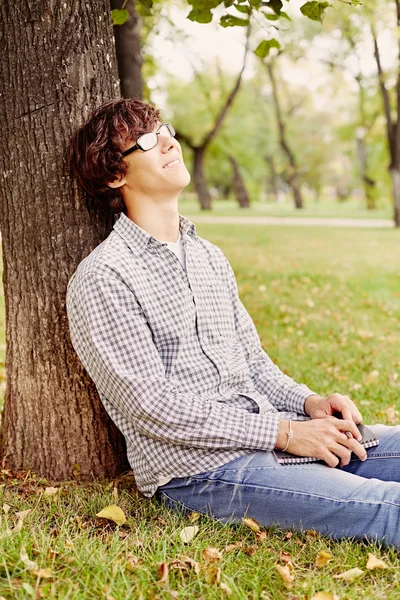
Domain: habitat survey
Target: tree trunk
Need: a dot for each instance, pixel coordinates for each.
(200, 183)
(274, 177)
(128, 51)
(297, 197)
(53, 421)
(395, 175)
(239, 187)
(293, 168)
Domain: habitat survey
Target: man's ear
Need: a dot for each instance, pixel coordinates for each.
(117, 183)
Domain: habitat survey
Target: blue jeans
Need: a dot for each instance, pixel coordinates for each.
(361, 500)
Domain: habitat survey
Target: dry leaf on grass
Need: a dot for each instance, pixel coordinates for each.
(323, 559)
(30, 564)
(22, 513)
(392, 415)
(51, 491)
(375, 563)
(231, 547)
(6, 508)
(371, 377)
(224, 587)
(350, 575)
(45, 573)
(191, 562)
(132, 562)
(163, 573)
(324, 596)
(251, 523)
(212, 574)
(188, 533)
(194, 516)
(286, 558)
(261, 536)
(211, 555)
(113, 513)
(286, 574)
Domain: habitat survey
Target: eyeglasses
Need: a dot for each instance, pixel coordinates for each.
(147, 141)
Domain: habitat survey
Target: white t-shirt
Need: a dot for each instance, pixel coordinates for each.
(177, 249)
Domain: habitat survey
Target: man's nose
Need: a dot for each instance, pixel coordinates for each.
(167, 143)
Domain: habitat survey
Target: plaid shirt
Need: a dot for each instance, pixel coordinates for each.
(174, 355)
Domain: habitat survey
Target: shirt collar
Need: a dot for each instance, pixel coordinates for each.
(138, 239)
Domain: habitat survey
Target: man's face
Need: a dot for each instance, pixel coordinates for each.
(160, 171)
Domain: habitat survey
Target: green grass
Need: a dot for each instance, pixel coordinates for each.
(327, 305)
(352, 208)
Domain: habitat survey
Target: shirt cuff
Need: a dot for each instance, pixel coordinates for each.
(261, 431)
(297, 398)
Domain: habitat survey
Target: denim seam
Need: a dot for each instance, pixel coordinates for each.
(299, 493)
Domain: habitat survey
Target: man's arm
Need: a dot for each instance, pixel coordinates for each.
(282, 391)
(110, 334)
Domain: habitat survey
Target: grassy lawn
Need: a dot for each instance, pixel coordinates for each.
(327, 305)
(351, 209)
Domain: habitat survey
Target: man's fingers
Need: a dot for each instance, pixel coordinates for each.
(348, 425)
(342, 453)
(330, 459)
(357, 448)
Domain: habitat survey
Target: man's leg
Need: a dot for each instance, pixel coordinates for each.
(334, 502)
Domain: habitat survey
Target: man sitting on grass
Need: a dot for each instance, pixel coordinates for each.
(156, 320)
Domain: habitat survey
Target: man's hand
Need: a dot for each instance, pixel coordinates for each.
(318, 407)
(324, 439)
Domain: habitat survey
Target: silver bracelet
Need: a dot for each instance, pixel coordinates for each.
(289, 437)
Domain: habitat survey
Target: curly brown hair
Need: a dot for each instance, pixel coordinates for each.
(95, 153)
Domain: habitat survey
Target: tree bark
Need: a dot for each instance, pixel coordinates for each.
(200, 182)
(58, 65)
(128, 51)
(368, 182)
(241, 193)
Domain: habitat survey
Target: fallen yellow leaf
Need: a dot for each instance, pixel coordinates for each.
(212, 574)
(375, 563)
(322, 559)
(350, 575)
(211, 555)
(194, 516)
(188, 533)
(113, 513)
(286, 574)
(251, 523)
(45, 573)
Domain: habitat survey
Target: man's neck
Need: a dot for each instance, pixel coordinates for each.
(162, 222)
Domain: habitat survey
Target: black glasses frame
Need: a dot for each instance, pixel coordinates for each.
(138, 146)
